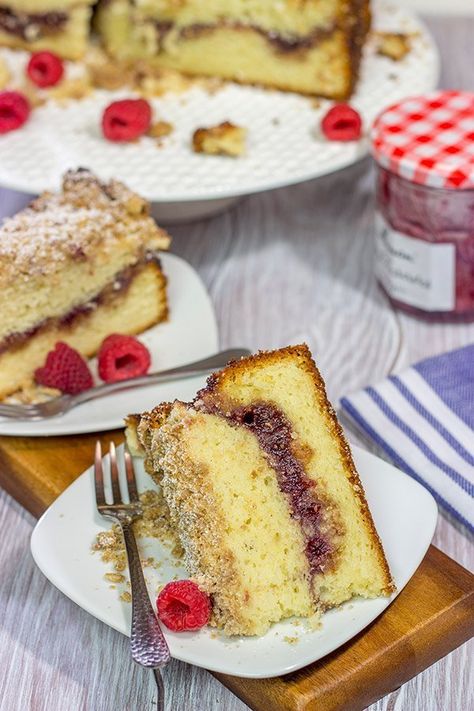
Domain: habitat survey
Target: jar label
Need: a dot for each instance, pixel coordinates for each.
(418, 273)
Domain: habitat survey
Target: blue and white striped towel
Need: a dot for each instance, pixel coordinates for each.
(424, 420)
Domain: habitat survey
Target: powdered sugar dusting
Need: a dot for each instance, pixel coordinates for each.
(86, 221)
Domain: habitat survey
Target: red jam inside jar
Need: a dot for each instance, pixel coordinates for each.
(424, 148)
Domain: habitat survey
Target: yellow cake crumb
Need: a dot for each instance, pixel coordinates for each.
(160, 129)
(71, 89)
(225, 139)
(114, 577)
(394, 45)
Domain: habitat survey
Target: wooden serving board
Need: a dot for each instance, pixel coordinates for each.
(432, 616)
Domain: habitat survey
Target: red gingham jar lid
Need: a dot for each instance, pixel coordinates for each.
(428, 139)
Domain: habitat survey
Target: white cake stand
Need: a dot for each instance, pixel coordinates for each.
(285, 145)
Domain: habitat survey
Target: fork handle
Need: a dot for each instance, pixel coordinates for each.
(147, 642)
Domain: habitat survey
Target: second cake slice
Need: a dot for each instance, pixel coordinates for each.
(76, 266)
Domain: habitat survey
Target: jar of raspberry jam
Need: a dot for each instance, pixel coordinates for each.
(424, 151)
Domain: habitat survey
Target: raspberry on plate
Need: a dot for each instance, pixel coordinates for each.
(122, 357)
(45, 69)
(126, 120)
(65, 369)
(14, 110)
(342, 123)
(182, 606)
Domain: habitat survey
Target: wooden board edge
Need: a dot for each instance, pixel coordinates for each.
(405, 658)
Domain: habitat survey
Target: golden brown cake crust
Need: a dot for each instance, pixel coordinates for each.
(358, 22)
(263, 358)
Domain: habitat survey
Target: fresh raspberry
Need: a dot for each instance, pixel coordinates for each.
(14, 110)
(182, 606)
(126, 120)
(122, 357)
(65, 369)
(342, 123)
(45, 69)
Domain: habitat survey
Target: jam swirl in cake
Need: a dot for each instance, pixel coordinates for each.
(281, 43)
(277, 439)
(26, 24)
(120, 285)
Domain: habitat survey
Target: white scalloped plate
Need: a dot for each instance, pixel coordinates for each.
(189, 334)
(404, 514)
(284, 143)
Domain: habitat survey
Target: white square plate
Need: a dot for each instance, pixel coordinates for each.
(405, 516)
(189, 334)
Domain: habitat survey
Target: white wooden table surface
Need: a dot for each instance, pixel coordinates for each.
(280, 267)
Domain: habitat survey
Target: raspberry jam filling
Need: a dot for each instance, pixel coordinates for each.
(279, 42)
(26, 24)
(276, 438)
(120, 285)
(274, 434)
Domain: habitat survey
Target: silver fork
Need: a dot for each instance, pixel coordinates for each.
(60, 405)
(147, 643)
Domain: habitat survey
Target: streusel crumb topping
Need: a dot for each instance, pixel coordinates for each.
(86, 221)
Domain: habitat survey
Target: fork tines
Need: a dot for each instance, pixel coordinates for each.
(129, 487)
(99, 476)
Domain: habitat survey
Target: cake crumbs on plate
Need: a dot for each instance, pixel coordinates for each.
(140, 76)
(159, 130)
(394, 45)
(114, 577)
(291, 640)
(154, 523)
(73, 89)
(314, 622)
(125, 596)
(224, 139)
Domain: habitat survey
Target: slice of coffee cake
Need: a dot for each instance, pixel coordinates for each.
(307, 46)
(264, 494)
(61, 26)
(75, 267)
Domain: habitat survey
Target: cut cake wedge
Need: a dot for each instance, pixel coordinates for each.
(76, 266)
(306, 46)
(263, 493)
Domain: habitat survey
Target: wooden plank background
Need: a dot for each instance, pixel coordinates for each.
(284, 266)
